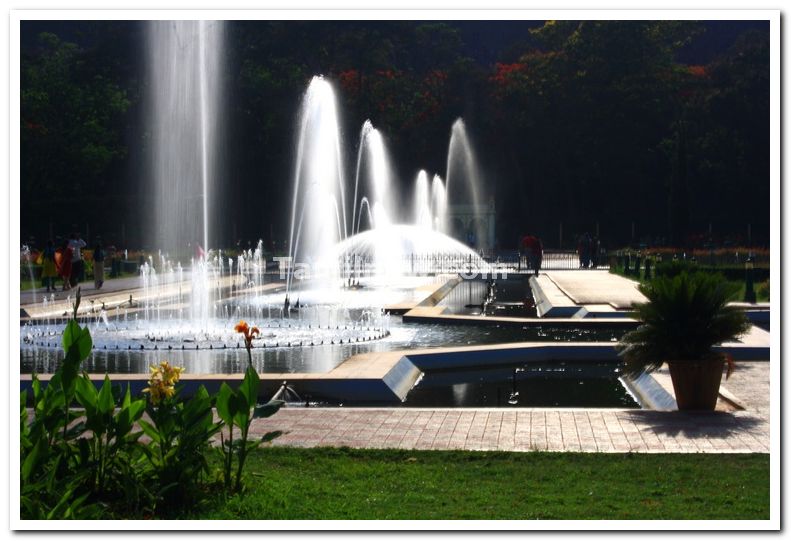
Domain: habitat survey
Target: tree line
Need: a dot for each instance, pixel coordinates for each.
(595, 126)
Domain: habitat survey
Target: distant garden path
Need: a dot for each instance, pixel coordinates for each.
(597, 287)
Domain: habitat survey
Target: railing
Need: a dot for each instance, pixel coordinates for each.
(359, 266)
(552, 260)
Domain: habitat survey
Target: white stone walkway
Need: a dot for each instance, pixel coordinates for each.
(597, 287)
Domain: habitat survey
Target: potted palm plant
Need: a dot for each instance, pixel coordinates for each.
(684, 318)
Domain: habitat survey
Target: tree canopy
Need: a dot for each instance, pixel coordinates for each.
(588, 124)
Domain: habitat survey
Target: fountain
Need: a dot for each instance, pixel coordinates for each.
(337, 253)
(27, 257)
(361, 256)
(318, 212)
(185, 59)
(439, 202)
(423, 215)
(463, 163)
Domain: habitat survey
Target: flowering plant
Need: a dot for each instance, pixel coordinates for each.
(180, 433)
(162, 383)
(238, 408)
(249, 333)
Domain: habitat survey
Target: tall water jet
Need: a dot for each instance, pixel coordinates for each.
(423, 215)
(439, 205)
(185, 60)
(383, 206)
(367, 127)
(318, 210)
(462, 176)
(379, 194)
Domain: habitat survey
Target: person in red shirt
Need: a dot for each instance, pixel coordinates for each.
(63, 262)
(534, 251)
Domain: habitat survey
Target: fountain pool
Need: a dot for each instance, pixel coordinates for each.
(354, 249)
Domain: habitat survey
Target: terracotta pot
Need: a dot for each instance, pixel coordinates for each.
(696, 383)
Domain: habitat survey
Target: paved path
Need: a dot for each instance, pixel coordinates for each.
(614, 431)
(587, 430)
(597, 287)
(87, 289)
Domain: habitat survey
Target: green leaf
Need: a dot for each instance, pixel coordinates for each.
(77, 299)
(76, 505)
(23, 417)
(77, 343)
(249, 387)
(36, 386)
(71, 334)
(127, 397)
(150, 431)
(242, 416)
(79, 336)
(136, 409)
(30, 464)
(62, 505)
(105, 402)
(86, 393)
(128, 414)
(224, 405)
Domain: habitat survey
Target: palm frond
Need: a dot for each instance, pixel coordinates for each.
(685, 316)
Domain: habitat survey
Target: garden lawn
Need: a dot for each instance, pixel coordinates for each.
(331, 483)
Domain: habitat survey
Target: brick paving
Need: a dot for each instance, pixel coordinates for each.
(538, 429)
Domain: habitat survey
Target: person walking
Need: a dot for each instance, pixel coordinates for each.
(584, 247)
(595, 252)
(49, 269)
(534, 251)
(98, 264)
(77, 265)
(538, 254)
(63, 259)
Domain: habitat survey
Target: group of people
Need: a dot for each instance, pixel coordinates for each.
(588, 248)
(588, 251)
(67, 263)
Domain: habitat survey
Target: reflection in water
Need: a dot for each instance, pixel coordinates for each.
(461, 392)
(531, 385)
(544, 384)
(510, 297)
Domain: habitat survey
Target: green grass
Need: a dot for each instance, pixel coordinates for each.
(761, 291)
(327, 483)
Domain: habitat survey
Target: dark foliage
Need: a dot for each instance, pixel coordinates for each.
(594, 124)
(685, 316)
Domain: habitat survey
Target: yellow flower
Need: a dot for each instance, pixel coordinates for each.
(162, 382)
(155, 390)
